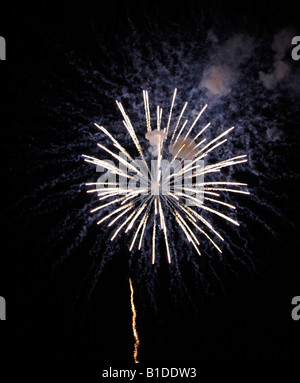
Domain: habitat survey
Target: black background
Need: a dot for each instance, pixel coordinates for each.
(56, 319)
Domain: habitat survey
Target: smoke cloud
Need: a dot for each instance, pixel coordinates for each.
(219, 77)
(281, 69)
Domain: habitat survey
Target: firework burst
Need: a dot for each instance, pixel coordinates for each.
(165, 181)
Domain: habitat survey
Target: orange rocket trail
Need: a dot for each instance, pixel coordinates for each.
(135, 334)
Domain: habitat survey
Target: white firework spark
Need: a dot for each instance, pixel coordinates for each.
(135, 208)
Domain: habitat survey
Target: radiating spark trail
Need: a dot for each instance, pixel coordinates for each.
(171, 110)
(135, 334)
(178, 121)
(161, 195)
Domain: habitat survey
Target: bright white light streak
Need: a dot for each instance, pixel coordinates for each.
(171, 109)
(178, 121)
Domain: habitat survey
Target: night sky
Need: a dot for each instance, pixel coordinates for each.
(65, 68)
